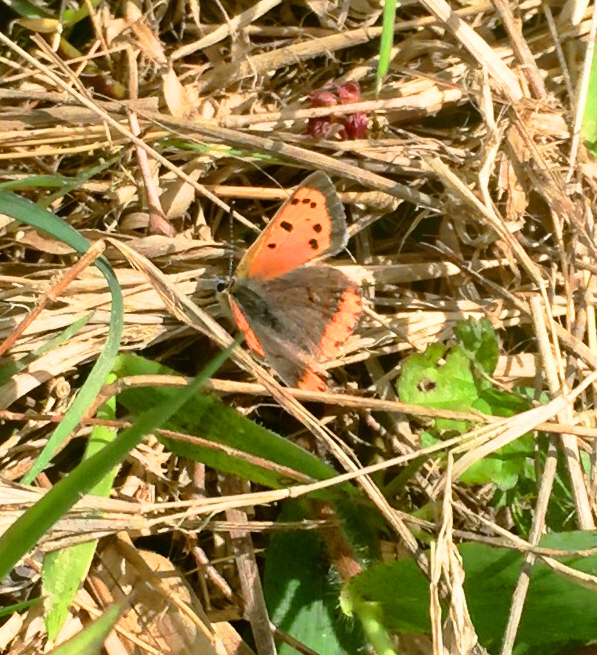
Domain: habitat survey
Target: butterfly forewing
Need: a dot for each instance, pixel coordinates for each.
(310, 225)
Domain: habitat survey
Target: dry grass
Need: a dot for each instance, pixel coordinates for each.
(471, 196)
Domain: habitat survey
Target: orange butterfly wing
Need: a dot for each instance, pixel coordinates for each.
(243, 326)
(310, 225)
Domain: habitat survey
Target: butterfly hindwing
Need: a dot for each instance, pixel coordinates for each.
(298, 319)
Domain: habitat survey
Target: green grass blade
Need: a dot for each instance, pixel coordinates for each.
(19, 607)
(89, 641)
(10, 369)
(29, 213)
(26, 9)
(387, 40)
(71, 17)
(41, 182)
(62, 183)
(24, 533)
(64, 570)
(589, 122)
(207, 416)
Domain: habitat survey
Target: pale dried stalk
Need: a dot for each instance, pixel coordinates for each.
(250, 581)
(431, 100)
(569, 443)
(457, 636)
(118, 127)
(547, 479)
(521, 49)
(478, 47)
(242, 20)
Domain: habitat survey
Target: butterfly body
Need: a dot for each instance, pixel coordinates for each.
(293, 313)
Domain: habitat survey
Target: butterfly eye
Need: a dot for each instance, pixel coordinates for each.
(222, 284)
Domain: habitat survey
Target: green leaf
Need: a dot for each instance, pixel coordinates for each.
(501, 403)
(440, 377)
(208, 417)
(571, 608)
(64, 570)
(503, 469)
(480, 341)
(457, 378)
(300, 592)
(401, 593)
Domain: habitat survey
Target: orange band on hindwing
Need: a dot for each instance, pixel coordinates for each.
(311, 381)
(342, 323)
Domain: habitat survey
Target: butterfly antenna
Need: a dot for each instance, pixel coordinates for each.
(231, 239)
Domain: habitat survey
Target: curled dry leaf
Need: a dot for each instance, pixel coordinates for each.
(147, 40)
(35, 240)
(165, 613)
(336, 14)
(179, 103)
(177, 194)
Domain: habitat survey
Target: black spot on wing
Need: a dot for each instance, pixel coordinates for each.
(285, 225)
(317, 227)
(314, 244)
(271, 246)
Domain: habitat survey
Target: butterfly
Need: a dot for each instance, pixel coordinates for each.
(295, 314)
